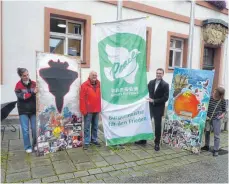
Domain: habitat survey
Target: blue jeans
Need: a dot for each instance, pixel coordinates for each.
(24, 120)
(91, 122)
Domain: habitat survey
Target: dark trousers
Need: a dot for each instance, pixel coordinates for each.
(157, 122)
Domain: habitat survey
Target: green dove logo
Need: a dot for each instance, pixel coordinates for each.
(124, 64)
(122, 58)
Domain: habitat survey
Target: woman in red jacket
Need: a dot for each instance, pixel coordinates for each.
(26, 102)
(90, 106)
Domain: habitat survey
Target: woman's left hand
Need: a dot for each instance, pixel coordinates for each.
(221, 116)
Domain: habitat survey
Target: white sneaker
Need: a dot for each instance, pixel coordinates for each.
(28, 151)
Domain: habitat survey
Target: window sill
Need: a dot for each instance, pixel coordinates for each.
(169, 70)
(85, 65)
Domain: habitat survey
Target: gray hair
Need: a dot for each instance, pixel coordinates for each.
(20, 71)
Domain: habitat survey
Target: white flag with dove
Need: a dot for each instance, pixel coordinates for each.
(122, 58)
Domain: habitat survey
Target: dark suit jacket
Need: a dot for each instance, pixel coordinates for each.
(160, 96)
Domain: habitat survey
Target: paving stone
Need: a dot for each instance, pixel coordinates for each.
(43, 171)
(3, 174)
(50, 179)
(168, 157)
(168, 152)
(130, 164)
(78, 151)
(85, 166)
(81, 173)
(150, 160)
(124, 176)
(62, 181)
(111, 180)
(134, 147)
(17, 166)
(136, 174)
(66, 176)
(158, 158)
(76, 180)
(16, 177)
(91, 151)
(114, 159)
(101, 164)
(128, 156)
(36, 163)
(127, 170)
(119, 166)
(59, 156)
(9, 135)
(102, 175)
(107, 169)
(139, 168)
(115, 173)
(146, 147)
(33, 181)
(95, 171)
(97, 181)
(63, 166)
(96, 158)
(16, 155)
(105, 153)
(5, 146)
(88, 178)
(150, 166)
(80, 158)
(141, 162)
(141, 154)
(16, 145)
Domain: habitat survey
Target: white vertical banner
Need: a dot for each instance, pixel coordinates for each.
(122, 57)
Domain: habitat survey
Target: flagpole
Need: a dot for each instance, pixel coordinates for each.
(191, 32)
(119, 10)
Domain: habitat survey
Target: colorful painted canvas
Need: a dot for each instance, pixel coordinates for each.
(187, 108)
(59, 122)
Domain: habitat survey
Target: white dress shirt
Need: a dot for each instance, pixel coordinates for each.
(156, 84)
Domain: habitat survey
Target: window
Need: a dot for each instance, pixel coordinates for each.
(176, 53)
(208, 58)
(71, 37)
(66, 37)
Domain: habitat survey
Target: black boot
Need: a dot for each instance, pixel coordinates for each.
(205, 148)
(157, 147)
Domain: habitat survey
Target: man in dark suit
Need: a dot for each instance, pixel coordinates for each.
(158, 95)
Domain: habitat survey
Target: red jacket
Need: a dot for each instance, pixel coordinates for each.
(90, 97)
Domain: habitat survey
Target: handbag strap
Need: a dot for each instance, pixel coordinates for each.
(215, 109)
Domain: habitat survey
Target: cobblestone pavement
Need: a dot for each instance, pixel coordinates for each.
(95, 165)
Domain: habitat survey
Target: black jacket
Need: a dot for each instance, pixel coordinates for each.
(26, 99)
(160, 97)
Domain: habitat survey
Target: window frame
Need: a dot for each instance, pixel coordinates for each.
(72, 16)
(68, 35)
(184, 37)
(174, 49)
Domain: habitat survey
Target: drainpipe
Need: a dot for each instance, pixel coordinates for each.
(191, 33)
(119, 10)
